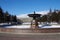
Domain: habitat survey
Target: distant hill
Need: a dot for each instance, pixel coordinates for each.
(25, 18)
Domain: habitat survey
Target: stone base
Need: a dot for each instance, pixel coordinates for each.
(26, 30)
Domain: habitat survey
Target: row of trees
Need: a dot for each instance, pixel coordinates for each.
(6, 17)
(51, 17)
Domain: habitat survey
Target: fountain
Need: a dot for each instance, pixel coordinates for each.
(34, 22)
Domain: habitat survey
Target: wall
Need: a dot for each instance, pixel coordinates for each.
(41, 30)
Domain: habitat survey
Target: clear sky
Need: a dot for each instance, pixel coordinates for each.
(17, 7)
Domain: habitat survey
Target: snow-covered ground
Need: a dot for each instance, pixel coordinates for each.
(51, 26)
(27, 25)
(19, 26)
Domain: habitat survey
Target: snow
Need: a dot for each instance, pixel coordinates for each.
(19, 26)
(23, 16)
(52, 26)
(4, 23)
(27, 25)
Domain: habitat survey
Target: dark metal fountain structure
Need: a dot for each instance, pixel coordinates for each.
(34, 22)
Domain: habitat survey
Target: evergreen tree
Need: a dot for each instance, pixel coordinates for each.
(14, 18)
(54, 17)
(44, 18)
(7, 17)
(1, 15)
(58, 17)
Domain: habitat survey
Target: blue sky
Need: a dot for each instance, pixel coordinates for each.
(17, 7)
